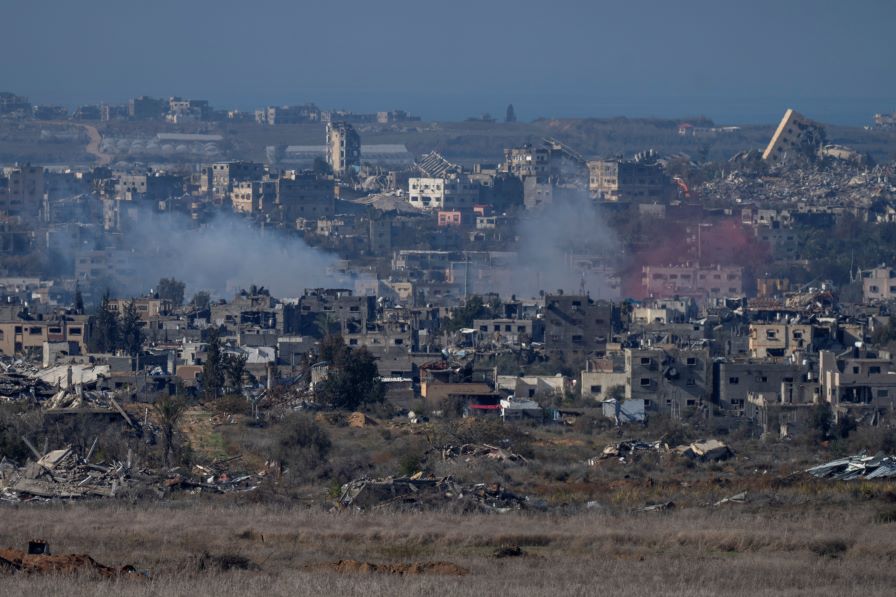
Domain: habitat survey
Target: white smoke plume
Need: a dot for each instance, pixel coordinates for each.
(566, 245)
(223, 256)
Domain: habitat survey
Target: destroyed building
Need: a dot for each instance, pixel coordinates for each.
(576, 325)
(796, 136)
(638, 180)
(343, 148)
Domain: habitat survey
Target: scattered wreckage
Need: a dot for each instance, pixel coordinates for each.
(64, 474)
(856, 467)
(470, 452)
(418, 491)
(702, 450)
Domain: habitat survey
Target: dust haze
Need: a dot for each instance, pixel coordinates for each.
(223, 256)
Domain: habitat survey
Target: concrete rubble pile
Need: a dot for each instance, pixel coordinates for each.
(470, 452)
(22, 382)
(705, 450)
(837, 184)
(625, 449)
(63, 474)
(419, 492)
(18, 384)
(856, 467)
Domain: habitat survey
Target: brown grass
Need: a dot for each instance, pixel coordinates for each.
(281, 550)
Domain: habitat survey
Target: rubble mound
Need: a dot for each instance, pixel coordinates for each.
(359, 419)
(401, 569)
(421, 492)
(15, 560)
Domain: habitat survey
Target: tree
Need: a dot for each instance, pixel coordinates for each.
(300, 443)
(172, 290)
(234, 369)
(213, 368)
(463, 316)
(105, 330)
(353, 378)
(511, 114)
(823, 421)
(845, 425)
(169, 410)
(130, 336)
(201, 300)
(320, 166)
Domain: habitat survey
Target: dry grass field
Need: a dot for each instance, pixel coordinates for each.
(221, 548)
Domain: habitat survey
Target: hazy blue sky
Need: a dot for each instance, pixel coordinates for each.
(736, 61)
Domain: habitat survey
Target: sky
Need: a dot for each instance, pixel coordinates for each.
(732, 60)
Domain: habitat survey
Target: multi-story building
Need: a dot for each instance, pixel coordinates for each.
(278, 115)
(508, 330)
(115, 268)
(857, 379)
(18, 336)
(305, 196)
(254, 196)
(155, 186)
(879, 284)
(147, 307)
(188, 109)
(452, 192)
(395, 116)
(527, 161)
(577, 325)
(734, 381)
(780, 339)
(628, 180)
(343, 148)
(24, 192)
(146, 108)
(11, 103)
(224, 174)
(796, 135)
(668, 379)
(336, 310)
(692, 280)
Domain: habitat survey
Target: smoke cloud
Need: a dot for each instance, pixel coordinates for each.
(565, 245)
(223, 256)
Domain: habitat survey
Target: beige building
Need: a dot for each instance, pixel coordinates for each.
(669, 378)
(253, 196)
(624, 180)
(343, 148)
(859, 379)
(527, 161)
(795, 135)
(146, 307)
(18, 336)
(879, 284)
(692, 280)
(779, 339)
(224, 175)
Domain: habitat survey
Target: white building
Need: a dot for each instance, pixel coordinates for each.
(454, 192)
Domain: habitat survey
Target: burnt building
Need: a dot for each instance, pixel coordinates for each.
(576, 325)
